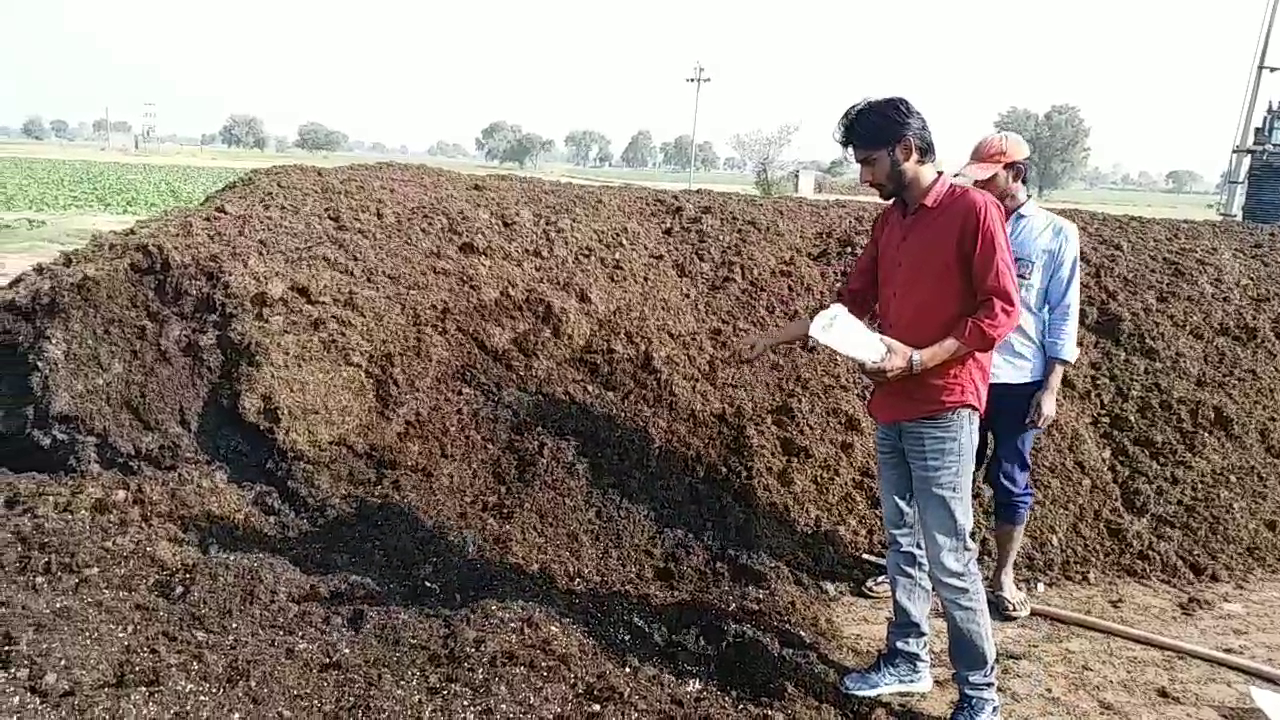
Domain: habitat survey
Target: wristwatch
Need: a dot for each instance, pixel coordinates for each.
(915, 362)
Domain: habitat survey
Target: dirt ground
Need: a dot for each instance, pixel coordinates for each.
(113, 608)
(1050, 670)
(390, 440)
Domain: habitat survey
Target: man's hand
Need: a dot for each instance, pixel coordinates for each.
(1044, 407)
(895, 364)
(754, 347)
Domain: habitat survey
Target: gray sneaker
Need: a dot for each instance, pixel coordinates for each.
(970, 708)
(884, 678)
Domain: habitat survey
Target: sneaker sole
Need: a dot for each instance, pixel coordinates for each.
(919, 688)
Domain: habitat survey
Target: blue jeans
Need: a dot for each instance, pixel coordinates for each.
(1009, 469)
(926, 493)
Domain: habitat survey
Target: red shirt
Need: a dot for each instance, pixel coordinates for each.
(943, 269)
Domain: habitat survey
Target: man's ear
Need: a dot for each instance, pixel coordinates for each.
(906, 149)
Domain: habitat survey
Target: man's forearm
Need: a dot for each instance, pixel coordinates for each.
(940, 352)
(795, 331)
(1053, 381)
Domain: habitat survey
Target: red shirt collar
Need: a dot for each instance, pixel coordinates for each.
(933, 195)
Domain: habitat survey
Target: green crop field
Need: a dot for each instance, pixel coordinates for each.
(84, 186)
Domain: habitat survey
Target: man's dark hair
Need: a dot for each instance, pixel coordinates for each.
(882, 123)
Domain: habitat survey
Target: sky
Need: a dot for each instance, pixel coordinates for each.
(1161, 83)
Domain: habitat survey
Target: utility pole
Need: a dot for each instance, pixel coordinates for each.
(1235, 171)
(107, 115)
(697, 80)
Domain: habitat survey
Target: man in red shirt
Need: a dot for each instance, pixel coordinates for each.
(937, 276)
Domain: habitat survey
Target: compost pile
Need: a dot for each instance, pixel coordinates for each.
(391, 440)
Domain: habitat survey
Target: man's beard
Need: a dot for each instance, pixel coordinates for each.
(897, 184)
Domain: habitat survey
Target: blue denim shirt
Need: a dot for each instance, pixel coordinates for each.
(1046, 257)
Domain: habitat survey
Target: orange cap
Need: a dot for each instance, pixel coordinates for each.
(994, 152)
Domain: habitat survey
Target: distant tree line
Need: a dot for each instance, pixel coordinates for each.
(35, 128)
(242, 131)
(503, 142)
(1059, 138)
(758, 152)
(248, 132)
(1173, 181)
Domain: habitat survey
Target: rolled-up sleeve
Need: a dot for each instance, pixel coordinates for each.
(861, 290)
(1062, 295)
(994, 284)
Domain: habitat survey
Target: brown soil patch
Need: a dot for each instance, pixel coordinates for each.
(396, 440)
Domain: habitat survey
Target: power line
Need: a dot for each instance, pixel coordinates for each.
(697, 80)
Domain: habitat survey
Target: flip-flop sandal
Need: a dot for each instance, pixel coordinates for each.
(877, 588)
(1011, 606)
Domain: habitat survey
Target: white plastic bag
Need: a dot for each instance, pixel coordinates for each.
(1267, 700)
(839, 330)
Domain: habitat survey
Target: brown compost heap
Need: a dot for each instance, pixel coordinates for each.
(391, 440)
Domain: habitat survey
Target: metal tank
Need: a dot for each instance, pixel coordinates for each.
(1244, 149)
(1262, 189)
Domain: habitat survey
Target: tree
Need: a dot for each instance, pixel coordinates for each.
(208, 139)
(579, 146)
(638, 150)
(34, 128)
(1183, 180)
(733, 164)
(528, 149)
(762, 154)
(705, 157)
(404, 149)
(100, 127)
(585, 147)
(60, 129)
(677, 154)
(507, 143)
(1146, 180)
(449, 150)
(282, 144)
(496, 138)
(604, 153)
(244, 131)
(838, 167)
(1094, 177)
(315, 137)
(121, 126)
(1059, 142)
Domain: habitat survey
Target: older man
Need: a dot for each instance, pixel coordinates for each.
(937, 274)
(1027, 368)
